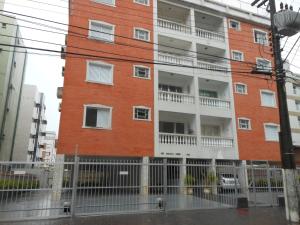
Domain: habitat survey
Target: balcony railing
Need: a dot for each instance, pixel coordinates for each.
(176, 97)
(209, 34)
(174, 59)
(178, 139)
(211, 66)
(174, 26)
(217, 142)
(214, 102)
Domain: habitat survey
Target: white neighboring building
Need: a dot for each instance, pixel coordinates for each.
(48, 147)
(31, 125)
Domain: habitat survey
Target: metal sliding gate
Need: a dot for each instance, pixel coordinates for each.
(101, 186)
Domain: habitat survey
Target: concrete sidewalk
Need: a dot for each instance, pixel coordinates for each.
(253, 216)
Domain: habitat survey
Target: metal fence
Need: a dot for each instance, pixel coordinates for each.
(85, 187)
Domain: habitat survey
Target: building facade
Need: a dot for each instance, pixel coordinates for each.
(168, 79)
(12, 72)
(31, 127)
(48, 147)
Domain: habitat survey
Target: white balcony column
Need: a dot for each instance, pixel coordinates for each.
(182, 176)
(213, 171)
(193, 23)
(144, 176)
(58, 175)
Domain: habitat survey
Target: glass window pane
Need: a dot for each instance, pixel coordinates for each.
(268, 99)
(100, 73)
(91, 117)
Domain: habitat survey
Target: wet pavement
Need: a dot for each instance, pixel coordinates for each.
(252, 216)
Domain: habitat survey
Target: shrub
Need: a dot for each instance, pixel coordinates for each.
(8, 184)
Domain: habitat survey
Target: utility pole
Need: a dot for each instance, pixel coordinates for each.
(286, 144)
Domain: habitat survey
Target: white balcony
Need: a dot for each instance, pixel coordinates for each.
(174, 59)
(209, 35)
(176, 97)
(214, 102)
(167, 24)
(211, 66)
(217, 142)
(177, 139)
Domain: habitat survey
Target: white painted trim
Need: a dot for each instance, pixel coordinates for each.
(103, 3)
(99, 63)
(239, 28)
(237, 51)
(141, 107)
(244, 118)
(239, 83)
(97, 106)
(102, 23)
(271, 124)
(141, 66)
(142, 29)
(270, 92)
(261, 31)
(148, 4)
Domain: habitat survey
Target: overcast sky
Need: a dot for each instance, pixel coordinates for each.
(45, 71)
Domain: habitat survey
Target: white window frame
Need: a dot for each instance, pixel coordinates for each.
(239, 23)
(148, 2)
(99, 63)
(105, 24)
(99, 2)
(141, 107)
(141, 66)
(249, 122)
(236, 51)
(261, 31)
(269, 92)
(97, 106)
(143, 29)
(239, 83)
(271, 124)
(257, 58)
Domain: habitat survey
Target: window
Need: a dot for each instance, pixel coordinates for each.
(244, 124)
(99, 72)
(170, 88)
(237, 55)
(171, 127)
(4, 25)
(141, 34)
(97, 116)
(142, 72)
(241, 88)
(208, 93)
(234, 24)
(298, 121)
(260, 37)
(210, 131)
(143, 2)
(263, 65)
(101, 31)
(296, 89)
(106, 2)
(297, 103)
(271, 132)
(267, 98)
(141, 113)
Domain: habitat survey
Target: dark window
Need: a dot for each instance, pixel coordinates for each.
(142, 114)
(91, 117)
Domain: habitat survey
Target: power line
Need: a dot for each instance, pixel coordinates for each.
(291, 49)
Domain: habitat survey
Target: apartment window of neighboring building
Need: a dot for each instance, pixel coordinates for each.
(208, 93)
(234, 24)
(297, 103)
(142, 72)
(143, 2)
(244, 124)
(99, 72)
(106, 2)
(263, 65)
(298, 118)
(240, 88)
(210, 131)
(267, 98)
(141, 113)
(237, 55)
(97, 116)
(141, 34)
(101, 31)
(271, 132)
(171, 127)
(260, 37)
(170, 88)
(4, 25)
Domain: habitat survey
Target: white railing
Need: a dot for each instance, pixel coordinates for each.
(209, 34)
(214, 102)
(177, 139)
(174, 26)
(216, 142)
(176, 97)
(211, 66)
(174, 59)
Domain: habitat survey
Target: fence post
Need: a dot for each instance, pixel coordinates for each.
(182, 177)
(74, 186)
(165, 177)
(243, 178)
(214, 174)
(269, 184)
(57, 183)
(144, 176)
